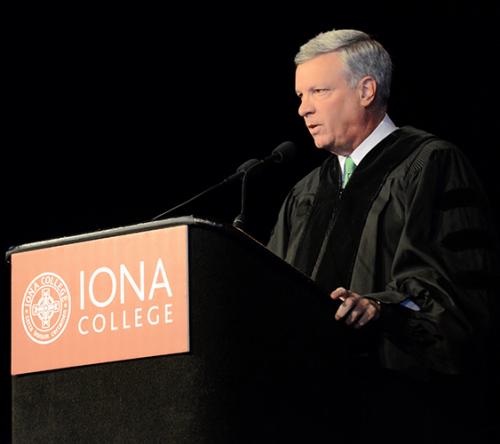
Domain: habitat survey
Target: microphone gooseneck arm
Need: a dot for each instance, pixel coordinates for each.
(239, 220)
(171, 210)
(241, 171)
(284, 152)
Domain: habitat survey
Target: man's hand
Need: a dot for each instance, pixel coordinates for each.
(355, 309)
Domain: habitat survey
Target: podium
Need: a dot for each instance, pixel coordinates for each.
(263, 351)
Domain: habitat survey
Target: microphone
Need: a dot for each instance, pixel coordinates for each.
(240, 171)
(284, 152)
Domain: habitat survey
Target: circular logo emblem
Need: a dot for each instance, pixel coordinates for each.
(46, 308)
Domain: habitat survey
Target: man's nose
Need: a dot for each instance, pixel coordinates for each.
(305, 107)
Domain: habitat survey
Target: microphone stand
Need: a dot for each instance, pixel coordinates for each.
(285, 151)
(171, 210)
(239, 220)
(241, 171)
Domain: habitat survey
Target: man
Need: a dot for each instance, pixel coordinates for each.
(394, 224)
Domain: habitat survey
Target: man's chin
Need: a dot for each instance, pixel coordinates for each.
(321, 145)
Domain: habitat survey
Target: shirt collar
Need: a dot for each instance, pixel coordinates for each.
(383, 129)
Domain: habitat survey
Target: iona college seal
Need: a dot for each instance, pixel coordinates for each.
(46, 308)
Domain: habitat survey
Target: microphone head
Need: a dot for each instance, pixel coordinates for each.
(284, 152)
(245, 166)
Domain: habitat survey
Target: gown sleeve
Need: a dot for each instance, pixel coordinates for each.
(446, 263)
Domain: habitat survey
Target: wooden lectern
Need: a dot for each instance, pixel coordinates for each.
(258, 366)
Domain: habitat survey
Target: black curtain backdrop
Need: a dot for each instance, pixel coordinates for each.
(115, 115)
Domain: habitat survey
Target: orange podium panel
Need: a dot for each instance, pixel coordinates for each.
(101, 300)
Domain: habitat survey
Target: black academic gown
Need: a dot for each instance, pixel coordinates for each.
(412, 222)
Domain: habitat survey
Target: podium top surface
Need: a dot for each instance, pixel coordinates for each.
(117, 231)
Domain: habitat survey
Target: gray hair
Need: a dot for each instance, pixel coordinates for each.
(361, 54)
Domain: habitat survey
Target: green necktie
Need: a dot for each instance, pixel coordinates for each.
(349, 168)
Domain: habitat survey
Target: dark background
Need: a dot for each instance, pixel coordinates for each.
(115, 115)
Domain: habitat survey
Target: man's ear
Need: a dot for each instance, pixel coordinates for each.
(367, 88)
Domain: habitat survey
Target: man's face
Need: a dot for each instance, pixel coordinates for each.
(331, 109)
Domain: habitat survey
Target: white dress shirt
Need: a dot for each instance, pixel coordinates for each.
(383, 129)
